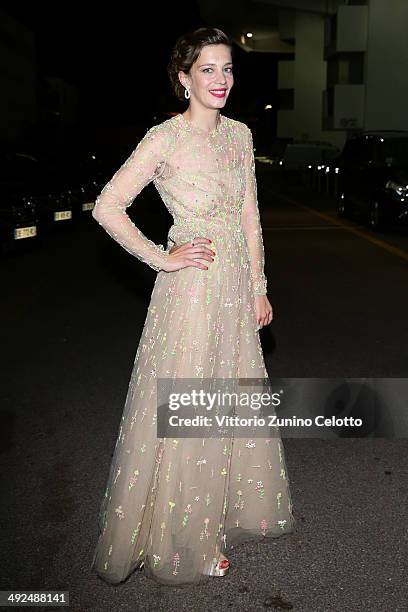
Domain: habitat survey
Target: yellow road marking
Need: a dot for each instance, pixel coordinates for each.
(354, 230)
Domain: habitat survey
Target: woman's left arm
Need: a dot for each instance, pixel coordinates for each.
(250, 219)
(251, 225)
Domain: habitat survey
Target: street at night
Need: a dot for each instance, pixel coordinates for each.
(73, 319)
(204, 201)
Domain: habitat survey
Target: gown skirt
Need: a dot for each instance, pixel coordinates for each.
(171, 505)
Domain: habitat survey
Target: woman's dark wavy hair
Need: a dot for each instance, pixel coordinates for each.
(188, 48)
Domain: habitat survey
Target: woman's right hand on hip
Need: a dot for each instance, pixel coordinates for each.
(186, 255)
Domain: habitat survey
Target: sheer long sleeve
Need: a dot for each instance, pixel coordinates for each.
(250, 220)
(139, 169)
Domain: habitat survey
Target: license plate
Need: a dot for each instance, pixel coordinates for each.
(87, 206)
(61, 215)
(25, 232)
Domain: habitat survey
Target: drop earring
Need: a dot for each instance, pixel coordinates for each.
(187, 93)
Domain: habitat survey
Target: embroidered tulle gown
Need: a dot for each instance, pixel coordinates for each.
(172, 505)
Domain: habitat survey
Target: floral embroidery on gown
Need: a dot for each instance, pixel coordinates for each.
(172, 505)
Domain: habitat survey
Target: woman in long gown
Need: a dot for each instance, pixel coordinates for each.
(174, 506)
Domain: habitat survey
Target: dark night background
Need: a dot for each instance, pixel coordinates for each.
(74, 302)
(117, 58)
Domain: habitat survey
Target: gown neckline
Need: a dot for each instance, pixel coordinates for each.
(213, 132)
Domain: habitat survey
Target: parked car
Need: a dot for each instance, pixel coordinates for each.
(19, 214)
(373, 178)
(299, 156)
(80, 174)
(32, 200)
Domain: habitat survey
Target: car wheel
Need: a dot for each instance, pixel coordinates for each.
(375, 217)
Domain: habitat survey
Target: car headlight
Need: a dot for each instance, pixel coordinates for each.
(397, 187)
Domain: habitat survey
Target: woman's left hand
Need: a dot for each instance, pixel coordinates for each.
(264, 310)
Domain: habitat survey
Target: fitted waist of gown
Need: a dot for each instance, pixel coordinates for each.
(188, 228)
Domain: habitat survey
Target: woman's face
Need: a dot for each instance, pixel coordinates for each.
(210, 78)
